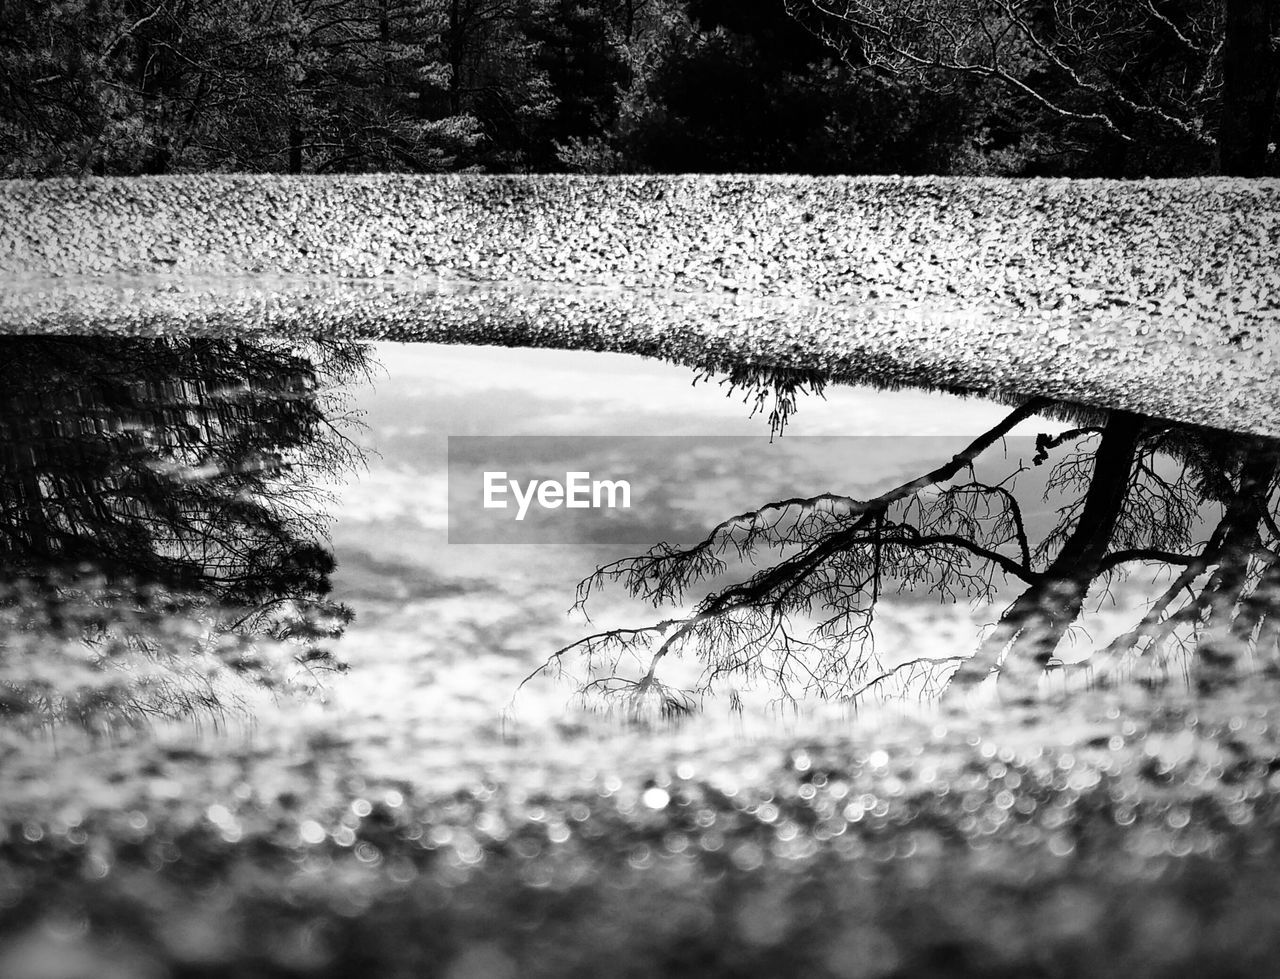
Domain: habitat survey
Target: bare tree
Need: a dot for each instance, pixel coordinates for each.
(1198, 73)
(1137, 493)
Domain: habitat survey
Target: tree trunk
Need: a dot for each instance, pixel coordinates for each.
(295, 145)
(1037, 620)
(1250, 74)
(384, 36)
(1257, 609)
(295, 120)
(455, 41)
(1223, 638)
(1266, 606)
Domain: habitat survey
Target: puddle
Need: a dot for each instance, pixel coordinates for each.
(287, 512)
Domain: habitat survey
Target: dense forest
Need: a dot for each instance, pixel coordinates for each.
(1008, 87)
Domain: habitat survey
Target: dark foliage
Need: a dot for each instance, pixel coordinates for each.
(600, 86)
(152, 485)
(744, 88)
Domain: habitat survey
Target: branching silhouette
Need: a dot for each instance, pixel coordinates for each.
(778, 389)
(1134, 491)
(1073, 60)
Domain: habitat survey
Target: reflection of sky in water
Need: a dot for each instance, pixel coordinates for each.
(458, 625)
(441, 390)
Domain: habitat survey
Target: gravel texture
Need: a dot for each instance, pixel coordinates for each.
(1156, 296)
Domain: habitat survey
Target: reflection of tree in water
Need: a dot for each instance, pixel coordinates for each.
(153, 487)
(1135, 493)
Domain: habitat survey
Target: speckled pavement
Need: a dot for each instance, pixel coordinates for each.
(1155, 296)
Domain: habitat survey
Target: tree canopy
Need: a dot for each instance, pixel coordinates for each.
(1080, 88)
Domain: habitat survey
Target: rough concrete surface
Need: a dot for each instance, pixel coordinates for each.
(1155, 296)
